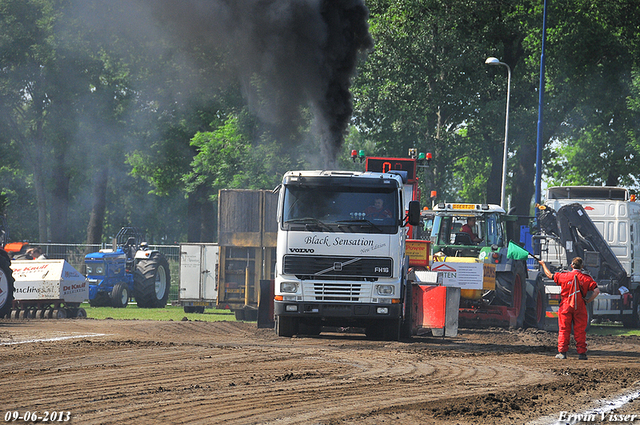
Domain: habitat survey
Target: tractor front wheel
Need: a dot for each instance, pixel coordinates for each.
(120, 295)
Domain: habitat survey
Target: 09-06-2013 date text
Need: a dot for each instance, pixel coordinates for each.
(46, 416)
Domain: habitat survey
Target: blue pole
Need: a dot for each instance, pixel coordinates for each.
(540, 106)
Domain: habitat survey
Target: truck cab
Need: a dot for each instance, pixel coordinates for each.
(341, 252)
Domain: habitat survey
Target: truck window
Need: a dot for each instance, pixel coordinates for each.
(341, 209)
(441, 230)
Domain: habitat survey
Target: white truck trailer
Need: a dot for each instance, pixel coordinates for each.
(340, 261)
(198, 276)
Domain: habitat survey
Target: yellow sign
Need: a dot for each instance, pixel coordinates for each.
(463, 206)
(489, 277)
(418, 252)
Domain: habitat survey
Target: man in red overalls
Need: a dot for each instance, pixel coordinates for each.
(573, 310)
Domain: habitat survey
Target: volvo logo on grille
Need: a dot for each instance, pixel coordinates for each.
(302, 250)
(337, 267)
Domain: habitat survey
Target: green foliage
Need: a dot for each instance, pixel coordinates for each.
(94, 90)
(425, 81)
(227, 158)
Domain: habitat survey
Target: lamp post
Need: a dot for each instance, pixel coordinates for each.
(503, 198)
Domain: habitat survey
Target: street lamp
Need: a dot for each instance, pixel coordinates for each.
(503, 200)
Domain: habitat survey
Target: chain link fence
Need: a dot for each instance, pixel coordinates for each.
(74, 254)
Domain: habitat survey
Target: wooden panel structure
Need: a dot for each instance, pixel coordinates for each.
(247, 235)
(247, 218)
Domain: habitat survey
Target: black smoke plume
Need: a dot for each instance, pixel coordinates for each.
(303, 52)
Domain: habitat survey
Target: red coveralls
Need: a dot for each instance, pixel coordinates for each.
(568, 315)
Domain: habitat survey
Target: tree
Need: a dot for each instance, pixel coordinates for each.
(594, 143)
(425, 85)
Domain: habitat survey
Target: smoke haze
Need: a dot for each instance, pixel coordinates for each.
(302, 53)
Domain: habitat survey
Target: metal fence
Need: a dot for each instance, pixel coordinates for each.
(74, 254)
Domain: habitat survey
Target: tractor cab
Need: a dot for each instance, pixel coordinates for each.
(467, 230)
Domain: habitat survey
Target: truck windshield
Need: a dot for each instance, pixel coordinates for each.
(460, 230)
(341, 209)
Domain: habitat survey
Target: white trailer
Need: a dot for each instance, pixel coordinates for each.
(198, 276)
(46, 289)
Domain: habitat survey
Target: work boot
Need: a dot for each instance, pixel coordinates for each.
(561, 356)
(582, 356)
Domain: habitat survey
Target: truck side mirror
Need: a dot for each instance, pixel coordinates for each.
(414, 213)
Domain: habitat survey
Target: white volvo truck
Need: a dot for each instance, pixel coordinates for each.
(340, 260)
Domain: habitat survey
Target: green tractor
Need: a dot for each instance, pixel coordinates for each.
(470, 245)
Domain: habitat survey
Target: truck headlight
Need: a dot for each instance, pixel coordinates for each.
(384, 289)
(288, 287)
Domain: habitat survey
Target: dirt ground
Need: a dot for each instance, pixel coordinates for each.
(108, 371)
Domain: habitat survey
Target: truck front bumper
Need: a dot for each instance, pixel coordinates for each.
(330, 311)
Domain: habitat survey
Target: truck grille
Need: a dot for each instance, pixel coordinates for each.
(335, 291)
(337, 268)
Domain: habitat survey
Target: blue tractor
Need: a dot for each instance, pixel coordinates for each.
(128, 270)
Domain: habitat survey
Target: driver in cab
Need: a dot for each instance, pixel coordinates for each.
(468, 229)
(377, 210)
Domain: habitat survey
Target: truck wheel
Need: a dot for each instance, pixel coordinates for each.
(311, 329)
(81, 313)
(511, 291)
(151, 282)
(6, 285)
(188, 309)
(286, 326)
(120, 295)
(387, 330)
(536, 306)
(406, 329)
(391, 330)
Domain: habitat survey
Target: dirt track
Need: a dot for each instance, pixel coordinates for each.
(227, 372)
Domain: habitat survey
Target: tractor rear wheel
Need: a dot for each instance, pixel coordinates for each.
(151, 282)
(511, 291)
(536, 306)
(6, 285)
